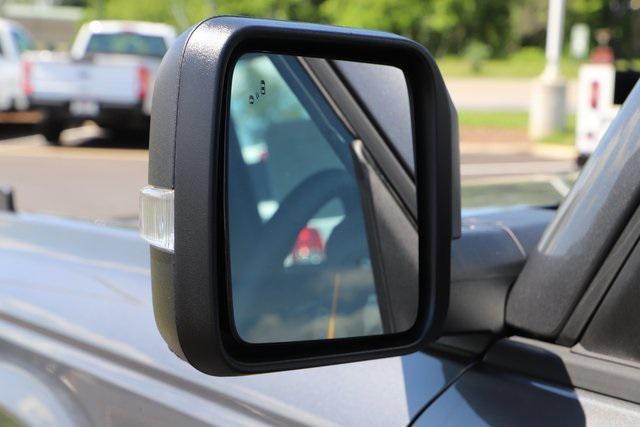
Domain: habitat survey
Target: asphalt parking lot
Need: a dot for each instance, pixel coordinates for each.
(92, 176)
(96, 176)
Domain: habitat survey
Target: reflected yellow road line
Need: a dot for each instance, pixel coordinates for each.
(331, 327)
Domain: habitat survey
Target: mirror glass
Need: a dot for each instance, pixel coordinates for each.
(299, 235)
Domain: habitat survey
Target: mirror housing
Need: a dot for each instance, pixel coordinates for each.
(191, 290)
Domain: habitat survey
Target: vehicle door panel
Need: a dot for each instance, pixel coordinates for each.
(65, 322)
(489, 396)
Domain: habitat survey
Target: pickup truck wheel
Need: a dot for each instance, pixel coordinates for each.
(51, 130)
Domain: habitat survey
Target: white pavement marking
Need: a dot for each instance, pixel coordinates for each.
(561, 186)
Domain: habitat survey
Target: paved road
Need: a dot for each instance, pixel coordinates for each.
(485, 94)
(513, 164)
(97, 177)
(94, 177)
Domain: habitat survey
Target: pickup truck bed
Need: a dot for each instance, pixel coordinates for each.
(58, 81)
(107, 77)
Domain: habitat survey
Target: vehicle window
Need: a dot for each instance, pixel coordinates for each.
(127, 44)
(384, 87)
(499, 167)
(300, 264)
(22, 40)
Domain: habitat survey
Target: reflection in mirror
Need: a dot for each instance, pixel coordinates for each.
(300, 262)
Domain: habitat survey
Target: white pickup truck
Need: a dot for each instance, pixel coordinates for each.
(14, 41)
(107, 77)
(601, 91)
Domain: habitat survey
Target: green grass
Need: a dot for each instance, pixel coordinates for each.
(565, 137)
(490, 119)
(526, 63)
(514, 120)
(560, 138)
(521, 192)
(7, 421)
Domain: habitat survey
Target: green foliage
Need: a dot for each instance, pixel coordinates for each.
(517, 120)
(442, 25)
(587, 10)
(6, 420)
(529, 22)
(402, 16)
(527, 62)
(77, 3)
(180, 13)
(566, 136)
(297, 10)
(446, 27)
(476, 54)
(493, 119)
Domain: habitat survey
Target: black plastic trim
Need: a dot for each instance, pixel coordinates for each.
(601, 283)
(351, 110)
(584, 231)
(573, 367)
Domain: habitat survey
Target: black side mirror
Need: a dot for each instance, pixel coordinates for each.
(266, 248)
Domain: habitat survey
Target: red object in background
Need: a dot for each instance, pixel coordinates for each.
(309, 247)
(27, 87)
(595, 94)
(602, 55)
(143, 82)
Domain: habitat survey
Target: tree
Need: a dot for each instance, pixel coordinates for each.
(297, 10)
(444, 26)
(180, 13)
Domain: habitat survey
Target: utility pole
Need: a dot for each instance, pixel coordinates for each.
(548, 102)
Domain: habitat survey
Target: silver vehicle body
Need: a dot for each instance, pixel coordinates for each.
(79, 345)
(11, 72)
